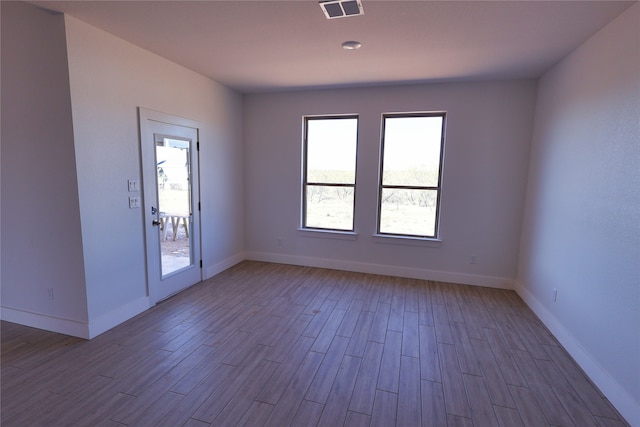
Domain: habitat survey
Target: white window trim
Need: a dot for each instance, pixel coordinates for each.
(396, 239)
(328, 234)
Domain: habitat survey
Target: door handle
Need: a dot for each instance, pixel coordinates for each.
(154, 222)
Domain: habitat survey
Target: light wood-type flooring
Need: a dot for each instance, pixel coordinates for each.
(276, 345)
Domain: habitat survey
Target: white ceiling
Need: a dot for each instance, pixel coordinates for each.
(267, 45)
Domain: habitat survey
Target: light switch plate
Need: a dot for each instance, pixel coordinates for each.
(134, 202)
(133, 185)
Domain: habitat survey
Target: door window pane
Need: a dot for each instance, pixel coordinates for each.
(174, 203)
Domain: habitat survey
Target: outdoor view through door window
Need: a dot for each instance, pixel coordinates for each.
(410, 176)
(174, 202)
(330, 172)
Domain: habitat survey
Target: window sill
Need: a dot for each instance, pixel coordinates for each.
(328, 234)
(405, 240)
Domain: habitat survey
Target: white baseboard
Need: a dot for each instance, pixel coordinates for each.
(45, 322)
(132, 309)
(388, 270)
(118, 316)
(628, 407)
(213, 269)
(105, 322)
(74, 328)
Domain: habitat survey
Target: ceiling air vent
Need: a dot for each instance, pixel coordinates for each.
(341, 8)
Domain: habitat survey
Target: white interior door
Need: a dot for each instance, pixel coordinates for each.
(169, 147)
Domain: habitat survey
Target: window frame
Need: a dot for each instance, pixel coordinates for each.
(437, 188)
(306, 183)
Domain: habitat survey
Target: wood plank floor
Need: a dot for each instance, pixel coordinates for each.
(277, 345)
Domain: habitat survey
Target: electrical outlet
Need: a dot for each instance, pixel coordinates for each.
(474, 259)
(280, 241)
(134, 202)
(50, 294)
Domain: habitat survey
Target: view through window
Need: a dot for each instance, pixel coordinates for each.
(411, 166)
(329, 171)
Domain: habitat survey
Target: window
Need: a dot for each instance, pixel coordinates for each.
(410, 174)
(329, 172)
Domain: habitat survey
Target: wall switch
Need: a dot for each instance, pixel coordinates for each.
(555, 294)
(134, 202)
(50, 294)
(280, 241)
(474, 259)
(133, 185)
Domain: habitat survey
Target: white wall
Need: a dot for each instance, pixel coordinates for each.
(110, 78)
(487, 145)
(41, 241)
(581, 232)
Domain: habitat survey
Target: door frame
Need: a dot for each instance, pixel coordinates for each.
(154, 278)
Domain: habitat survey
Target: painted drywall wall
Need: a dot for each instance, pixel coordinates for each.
(486, 154)
(42, 256)
(110, 78)
(581, 232)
